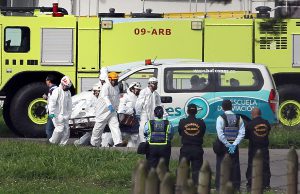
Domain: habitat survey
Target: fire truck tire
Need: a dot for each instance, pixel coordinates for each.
(289, 105)
(6, 117)
(27, 110)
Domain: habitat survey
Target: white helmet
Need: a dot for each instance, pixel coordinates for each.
(135, 85)
(96, 87)
(65, 81)
(152, 80)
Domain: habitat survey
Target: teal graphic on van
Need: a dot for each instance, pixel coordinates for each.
(202, 106)
(211, 108)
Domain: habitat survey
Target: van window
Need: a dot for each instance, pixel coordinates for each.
(234, 79)
(188, 80)
(17, 39)
(141, 76)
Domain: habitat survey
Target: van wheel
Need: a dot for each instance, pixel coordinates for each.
(289, 108)
(27, 110)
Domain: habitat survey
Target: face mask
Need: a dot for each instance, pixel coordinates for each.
(137, 92)
(66, 88)
(114, 82)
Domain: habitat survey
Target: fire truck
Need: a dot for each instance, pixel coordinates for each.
(52, 42)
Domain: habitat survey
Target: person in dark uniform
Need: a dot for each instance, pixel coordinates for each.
(158, 133)
(50, 79)
(258, 133)
(192, 130)
(230, 130)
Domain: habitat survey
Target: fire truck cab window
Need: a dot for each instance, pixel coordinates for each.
(17, 39)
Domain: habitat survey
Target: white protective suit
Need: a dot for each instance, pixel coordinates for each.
(109, 95)
(60, 104)
(145, 105)
(127, 103)
(127, 106)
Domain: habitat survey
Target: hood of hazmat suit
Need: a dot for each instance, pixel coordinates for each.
(127, 103)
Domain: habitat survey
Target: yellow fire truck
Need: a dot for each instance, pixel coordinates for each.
(34, 46)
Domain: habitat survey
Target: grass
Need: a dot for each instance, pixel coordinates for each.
(28, 167)
(40, 168)
(4, 130)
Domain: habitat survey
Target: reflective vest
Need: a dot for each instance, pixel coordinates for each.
(231, 126)
(159, 130)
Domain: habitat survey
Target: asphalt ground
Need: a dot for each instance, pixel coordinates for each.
(278, 162)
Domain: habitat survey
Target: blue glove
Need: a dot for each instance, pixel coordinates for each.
(111, 108)
(231, 149)
(51, 116)
(228, 146)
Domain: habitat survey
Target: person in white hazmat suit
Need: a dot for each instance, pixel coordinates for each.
(60, 110)
(107, 140)
(127, 106)
(106, 107)
(89, 105)
(145, 105)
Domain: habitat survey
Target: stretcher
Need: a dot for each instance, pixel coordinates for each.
(83, 124)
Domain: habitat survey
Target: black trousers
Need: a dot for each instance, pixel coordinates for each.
(266, 166)
(156, 152)
(235, 170)
(194, 157)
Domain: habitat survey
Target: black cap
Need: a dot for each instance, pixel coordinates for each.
(159, 112)
(50, 78)
(192, 109)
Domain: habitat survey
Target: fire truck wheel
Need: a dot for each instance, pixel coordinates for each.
(27, 110)
(289, 108)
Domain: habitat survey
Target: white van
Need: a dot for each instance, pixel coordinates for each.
(207, 85)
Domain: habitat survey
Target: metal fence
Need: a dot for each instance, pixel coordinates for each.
(159, 181)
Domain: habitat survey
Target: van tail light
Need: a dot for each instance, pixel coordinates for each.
(273, 100)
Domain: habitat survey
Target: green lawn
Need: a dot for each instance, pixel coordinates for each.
(41, 168)
(27, 167)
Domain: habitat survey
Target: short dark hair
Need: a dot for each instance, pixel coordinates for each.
(192, 109)
(51, 78)
(226, 105)
(159, 112)
(195, 79)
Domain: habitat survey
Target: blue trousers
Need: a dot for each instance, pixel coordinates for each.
(49, 128)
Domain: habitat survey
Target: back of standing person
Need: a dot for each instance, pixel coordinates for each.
(158, 133)
(230, 129)
(258, 133)
(50, 79)
(192, 130)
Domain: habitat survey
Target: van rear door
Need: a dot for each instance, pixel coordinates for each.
(246, 88)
